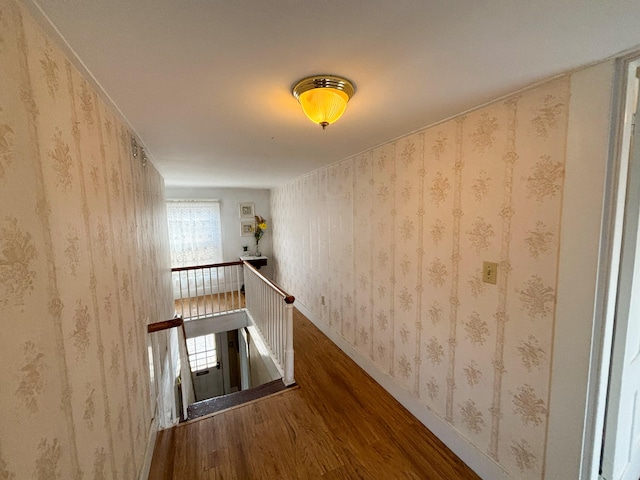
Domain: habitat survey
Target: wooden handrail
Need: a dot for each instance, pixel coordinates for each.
(287, 298)
(164, 325)
(213, 265)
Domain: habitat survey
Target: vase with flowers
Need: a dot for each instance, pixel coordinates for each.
(258, 232)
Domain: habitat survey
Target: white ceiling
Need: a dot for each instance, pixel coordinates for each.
(206, 84)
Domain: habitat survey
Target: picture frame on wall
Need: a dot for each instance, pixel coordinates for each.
(247, 227)
(247, 210)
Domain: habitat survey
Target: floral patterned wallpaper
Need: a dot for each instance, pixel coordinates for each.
(83, 269)
(395, 238)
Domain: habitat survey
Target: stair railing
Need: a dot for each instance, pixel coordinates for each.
(271, 310)
(207, 290)
(164, 369)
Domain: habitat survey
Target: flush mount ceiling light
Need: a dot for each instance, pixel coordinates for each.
(323, 97)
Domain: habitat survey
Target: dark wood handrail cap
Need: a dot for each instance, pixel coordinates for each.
(212, 265)
(164, 325)
(273, 285)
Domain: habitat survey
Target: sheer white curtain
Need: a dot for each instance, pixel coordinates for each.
(195, 238)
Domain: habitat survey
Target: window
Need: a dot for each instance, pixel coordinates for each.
(195, 238)
(202, 352)
(195, 235)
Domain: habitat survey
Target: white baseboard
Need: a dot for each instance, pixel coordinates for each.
(148, 454)
(476, 459)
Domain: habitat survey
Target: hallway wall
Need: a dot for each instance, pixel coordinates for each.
(385, 251)
(84, 266)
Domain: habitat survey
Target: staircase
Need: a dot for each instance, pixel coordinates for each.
(211, 300)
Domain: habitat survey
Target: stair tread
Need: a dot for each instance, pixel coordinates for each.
(216, 404)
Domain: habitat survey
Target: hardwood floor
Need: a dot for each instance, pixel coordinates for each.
(339, 424)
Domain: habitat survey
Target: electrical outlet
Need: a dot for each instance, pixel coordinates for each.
(490, 272)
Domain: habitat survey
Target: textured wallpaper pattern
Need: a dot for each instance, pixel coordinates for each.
(82, 245)
(394, 239)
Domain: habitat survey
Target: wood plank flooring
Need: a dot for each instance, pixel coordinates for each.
(339, 424)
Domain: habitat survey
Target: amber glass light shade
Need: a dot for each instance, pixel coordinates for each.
(323, 98)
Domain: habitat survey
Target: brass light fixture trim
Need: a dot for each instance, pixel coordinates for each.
(323, 97)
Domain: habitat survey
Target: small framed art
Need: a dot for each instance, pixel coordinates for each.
(247, 228)
(247, 210)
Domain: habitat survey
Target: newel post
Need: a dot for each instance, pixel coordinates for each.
(288, 349)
